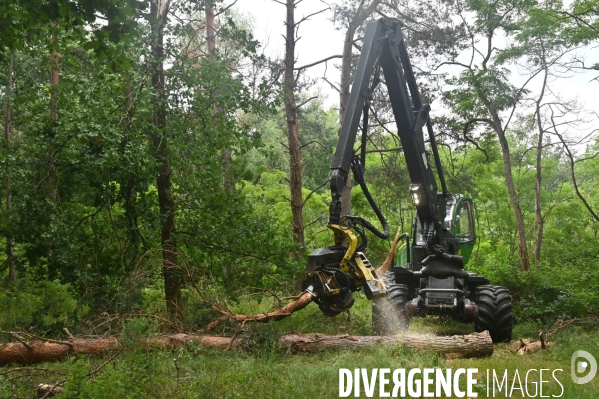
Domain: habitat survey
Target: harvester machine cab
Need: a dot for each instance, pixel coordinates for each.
(459, 220)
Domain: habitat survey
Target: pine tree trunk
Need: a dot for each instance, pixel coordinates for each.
(465, 346)
(10, 261)
(210, 36)
(295, 156)
(54, 80)
(473, 345)
(172, 281)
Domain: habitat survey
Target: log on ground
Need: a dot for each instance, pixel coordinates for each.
(46, 351)
(42, 351)
(473, 345)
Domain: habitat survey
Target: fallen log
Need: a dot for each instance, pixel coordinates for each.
(49, 351)
(473, 345)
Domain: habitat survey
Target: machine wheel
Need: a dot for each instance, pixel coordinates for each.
(389, 314)
(494, 312)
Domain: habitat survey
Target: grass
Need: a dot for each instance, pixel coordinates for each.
(264, 372)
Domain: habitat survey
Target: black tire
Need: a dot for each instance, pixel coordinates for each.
(389, 315)
(494, 312)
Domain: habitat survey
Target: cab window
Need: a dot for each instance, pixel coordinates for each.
(463, 224)
(419, 239)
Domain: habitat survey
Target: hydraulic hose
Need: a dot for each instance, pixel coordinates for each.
(359, 176)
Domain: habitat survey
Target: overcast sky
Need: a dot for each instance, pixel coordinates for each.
(320, 39)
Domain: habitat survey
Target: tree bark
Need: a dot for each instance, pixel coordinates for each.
(228, 180)
(295, 156)
(346, 57)
(54, 79)
(41, 351)
(210, 34)
(10, 261)
(172, 283)
(473, 345)
(532, 347)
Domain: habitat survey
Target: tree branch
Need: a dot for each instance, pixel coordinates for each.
(384, 150)
(313, 191)
(228, 7)
(572, 172)
(311, 15)
(317, 62)
(305, 102)
(331, 84)
(468, 139)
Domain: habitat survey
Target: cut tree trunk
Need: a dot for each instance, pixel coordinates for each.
(51, 351)
(473, 345)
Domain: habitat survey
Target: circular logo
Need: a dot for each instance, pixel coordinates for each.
(580, 366)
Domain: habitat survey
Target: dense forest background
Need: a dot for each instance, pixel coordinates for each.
(155, 161)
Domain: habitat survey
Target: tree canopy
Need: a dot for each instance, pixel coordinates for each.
(145, 142)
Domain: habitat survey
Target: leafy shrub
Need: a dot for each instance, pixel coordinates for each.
(43, 304)
(561, 288)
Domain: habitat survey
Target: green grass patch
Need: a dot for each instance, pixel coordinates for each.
(265, 372)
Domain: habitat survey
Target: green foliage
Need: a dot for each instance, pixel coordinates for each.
(38, 304)
(582, 18)
(18, 17)
(85, 216)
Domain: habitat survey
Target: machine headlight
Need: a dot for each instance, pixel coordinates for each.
(416, 194)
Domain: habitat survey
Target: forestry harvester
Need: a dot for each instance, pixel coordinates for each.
(428, 275)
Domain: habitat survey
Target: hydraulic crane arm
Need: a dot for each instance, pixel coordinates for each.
(333, 273)
(384, 47)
